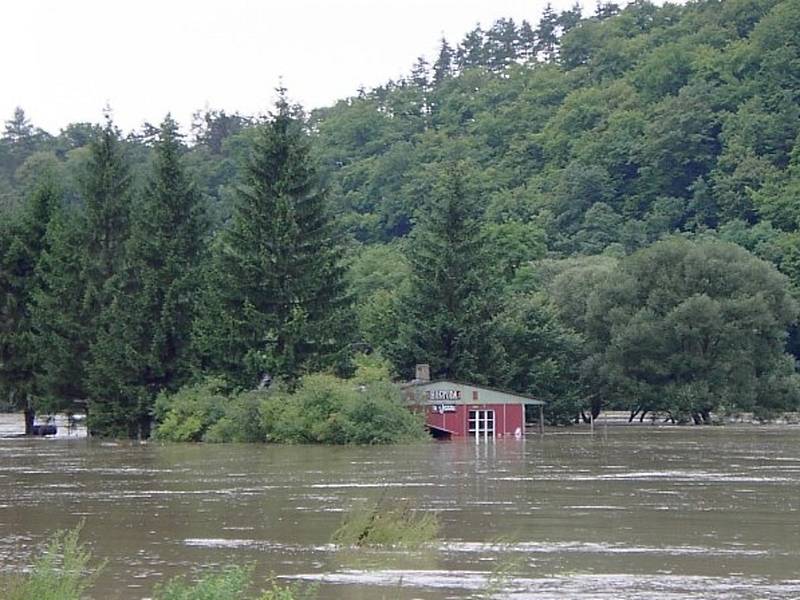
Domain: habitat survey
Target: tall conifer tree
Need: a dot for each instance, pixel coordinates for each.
(547, 34)
(106, 195)
(274, 301)
(22, 244)
(527, 41)
(446, 312)
(471, 51)
(502, 44)
(62, 326)
(443, 67)
(143, 341)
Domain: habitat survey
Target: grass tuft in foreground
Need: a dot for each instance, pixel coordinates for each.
(377, 525)
(232, 583)
(61, 572)
(229, 584)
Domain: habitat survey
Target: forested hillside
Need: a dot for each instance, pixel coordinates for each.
(601, 210)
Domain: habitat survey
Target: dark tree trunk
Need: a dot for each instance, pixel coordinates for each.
(145, 425)
(597, 406)
(30, 414)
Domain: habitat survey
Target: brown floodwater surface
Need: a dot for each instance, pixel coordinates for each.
(662, 512)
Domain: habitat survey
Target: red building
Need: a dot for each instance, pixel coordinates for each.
(453, 409)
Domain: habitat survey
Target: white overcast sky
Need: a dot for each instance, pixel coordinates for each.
(64, 60)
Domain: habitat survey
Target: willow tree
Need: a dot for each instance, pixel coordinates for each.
(695, 327)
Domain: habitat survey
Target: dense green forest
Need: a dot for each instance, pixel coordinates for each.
(599, 210)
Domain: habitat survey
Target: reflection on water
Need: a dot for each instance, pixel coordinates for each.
(639, 513)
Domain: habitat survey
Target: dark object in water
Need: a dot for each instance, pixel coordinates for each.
(44, 430)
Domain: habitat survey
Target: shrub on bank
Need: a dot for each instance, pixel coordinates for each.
(327, 410)
(187, 415)
(322, 409)
(240, 422)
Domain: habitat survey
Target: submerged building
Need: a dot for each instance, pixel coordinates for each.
(455, 409)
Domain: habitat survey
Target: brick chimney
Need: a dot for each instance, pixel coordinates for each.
(423, 374)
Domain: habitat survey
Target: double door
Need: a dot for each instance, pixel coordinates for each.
(481, 424)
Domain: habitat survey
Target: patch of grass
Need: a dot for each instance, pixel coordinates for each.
(278, 591)
(61, 572)
(230, 584)
(379, 525)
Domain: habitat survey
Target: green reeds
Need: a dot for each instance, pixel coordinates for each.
(382, 525)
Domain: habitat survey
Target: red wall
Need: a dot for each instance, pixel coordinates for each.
(507, 418)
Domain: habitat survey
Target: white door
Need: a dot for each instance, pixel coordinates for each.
(481, 424)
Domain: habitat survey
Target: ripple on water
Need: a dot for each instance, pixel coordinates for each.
(574, 586)
(598, 548)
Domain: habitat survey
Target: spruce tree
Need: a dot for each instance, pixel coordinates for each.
(569, 19)
(502, 44)
(605, 10)
(106, 194)
(106, 197)
(527, 41)
(15, 269)
(167, 245)
(443, 67)
(446, 312)
(22, 244)
(20, 136)
(62, 326)
(274, 300)
(546, 34)
(143, 339)
(420, 74)
(471, 52)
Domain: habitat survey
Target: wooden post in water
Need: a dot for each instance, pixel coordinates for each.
(541, 419)
(591, 421)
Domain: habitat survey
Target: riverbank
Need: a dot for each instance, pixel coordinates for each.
(12, 425)
(623, 417)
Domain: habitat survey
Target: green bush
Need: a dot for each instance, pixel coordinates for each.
(379, 416)
(61, 572)
(323, 409)
(187, 415)
(328, 410)
(241, 421)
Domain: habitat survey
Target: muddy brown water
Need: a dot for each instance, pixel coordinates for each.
(668, 512)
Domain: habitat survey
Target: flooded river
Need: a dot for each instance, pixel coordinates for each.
(637, 513)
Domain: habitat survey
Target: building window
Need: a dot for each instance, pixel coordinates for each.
(481, 423)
